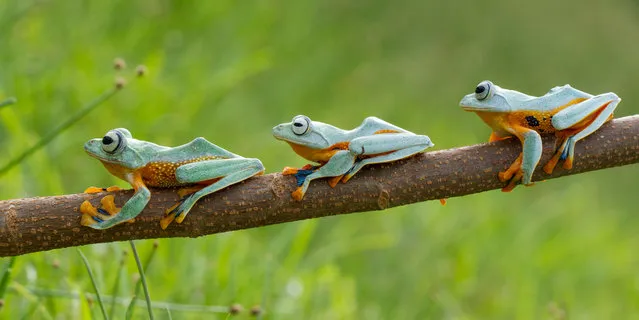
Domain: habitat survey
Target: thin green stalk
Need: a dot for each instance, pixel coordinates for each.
(59, 129)
(116, 284)
(95, 285)
(6, 276)
(8, 102)
(147, 263)
(61, 294)
(147, 296)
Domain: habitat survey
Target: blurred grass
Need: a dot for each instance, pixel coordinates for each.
(229, 71)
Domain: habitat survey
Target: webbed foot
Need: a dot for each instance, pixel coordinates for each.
(93, 217)
(298, 194)
(98, 189)
(513, 181)
(443, 201)
(334, 181)
(175, 212)
(512, 170)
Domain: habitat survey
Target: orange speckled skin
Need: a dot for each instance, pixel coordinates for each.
(162, 174)
(155, 174)
(506, 123)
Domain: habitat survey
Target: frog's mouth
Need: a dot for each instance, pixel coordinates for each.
(471, 109)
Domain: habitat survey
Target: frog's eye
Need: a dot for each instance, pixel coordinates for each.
(301, 125)
(113, 141)
(483, 90)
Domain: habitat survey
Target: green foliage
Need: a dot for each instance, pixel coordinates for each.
(230, 70)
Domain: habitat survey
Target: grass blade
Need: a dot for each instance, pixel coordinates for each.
(59, 129)
(6, 276)
(116, 284)
(147, 296)
(95, 285)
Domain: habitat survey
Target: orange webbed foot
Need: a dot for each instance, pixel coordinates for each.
(513, 182)
(443, 201)
(568, 163)
(512, 170)
(92, 215)
(298, 194)
(98, 190)
(334, 181)
(289, 171)
(183, 192)
(549, 167)
(169, 216)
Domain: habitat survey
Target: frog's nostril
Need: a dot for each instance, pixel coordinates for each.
(480, 89)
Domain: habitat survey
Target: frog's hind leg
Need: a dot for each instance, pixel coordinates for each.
(580, 120)
(390, 157)
(338, 165)
(388, 147)
(228, 171)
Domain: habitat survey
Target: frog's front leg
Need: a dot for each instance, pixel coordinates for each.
(301, 173)
(579, 121)
(531, 153)
(130, 210)
(226, 172)
(336, 166)
(385, 147)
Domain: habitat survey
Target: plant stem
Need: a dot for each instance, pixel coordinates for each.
(147, 296)
(95, 285)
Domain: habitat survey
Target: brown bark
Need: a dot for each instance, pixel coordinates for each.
(45, 223)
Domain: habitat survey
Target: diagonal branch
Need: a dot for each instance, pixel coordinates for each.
(45, 223)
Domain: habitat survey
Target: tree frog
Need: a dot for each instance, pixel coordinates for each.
(199, 164)
(341, 153)
(568, 113)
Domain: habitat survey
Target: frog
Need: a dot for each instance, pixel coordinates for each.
(198, 167)
(340, 154)
(564, 111)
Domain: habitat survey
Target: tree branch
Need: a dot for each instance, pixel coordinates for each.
(45, 223)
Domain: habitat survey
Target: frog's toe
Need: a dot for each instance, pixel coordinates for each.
(505, 176)
(108, 205)
(185, 192)
(92, 216)
(166, 221)
(334, 181)
(98, 190)
(568, 163)
(513, 181)
(169, 215)
(287, 171)
(94, 190)
(298, 194)
(442, 201)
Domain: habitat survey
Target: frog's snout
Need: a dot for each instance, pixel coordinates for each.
(277, 130)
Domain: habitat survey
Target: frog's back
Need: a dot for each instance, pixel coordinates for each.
(556, 99)
(374, 125)
(537, 112)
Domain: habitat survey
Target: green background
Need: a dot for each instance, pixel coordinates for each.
(231, 70)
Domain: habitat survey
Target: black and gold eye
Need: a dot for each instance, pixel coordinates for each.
(483, 90)
(301, 125)
(113, 141)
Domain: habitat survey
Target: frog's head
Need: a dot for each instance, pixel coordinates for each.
(489, 97)
(117, 147)
(302, 131)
